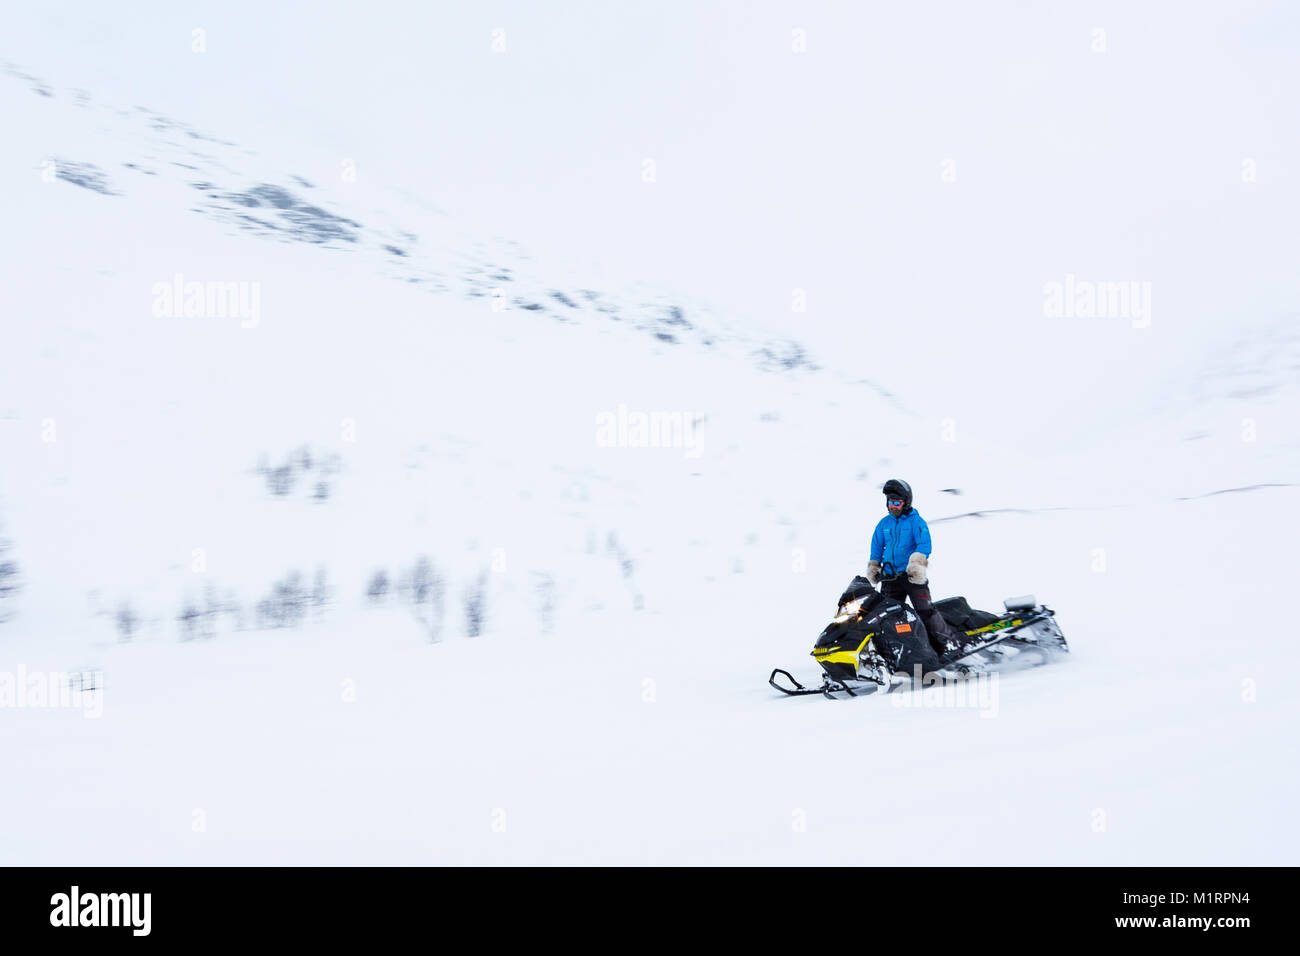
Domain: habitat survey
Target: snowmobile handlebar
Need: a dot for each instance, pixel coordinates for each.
(860, 581)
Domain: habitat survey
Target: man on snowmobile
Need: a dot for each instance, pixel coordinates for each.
(900, 552)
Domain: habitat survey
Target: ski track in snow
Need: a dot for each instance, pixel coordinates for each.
(1231, 491)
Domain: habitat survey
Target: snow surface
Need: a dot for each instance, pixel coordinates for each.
(1141, 481)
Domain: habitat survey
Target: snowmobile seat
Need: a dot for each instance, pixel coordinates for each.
(961, 615)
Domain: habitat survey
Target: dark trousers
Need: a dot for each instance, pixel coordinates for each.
(938, 630)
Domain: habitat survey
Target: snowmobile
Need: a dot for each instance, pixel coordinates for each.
(876, 643)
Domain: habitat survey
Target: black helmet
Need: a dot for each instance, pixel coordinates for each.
(897, 488)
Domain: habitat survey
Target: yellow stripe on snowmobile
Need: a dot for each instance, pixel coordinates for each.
(995, 626)
(833, 655)
(838, 657)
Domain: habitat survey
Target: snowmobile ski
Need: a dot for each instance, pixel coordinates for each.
(829, 688)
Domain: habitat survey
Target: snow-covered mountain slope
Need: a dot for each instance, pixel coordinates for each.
(393, 383)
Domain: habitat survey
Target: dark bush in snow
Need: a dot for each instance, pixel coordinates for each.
(8, 577)
(547, 594)
(298, 464)
(475, 600)
(189, 621)
(377, 589)
(280, 480)
(421, 580)
(127, 621)
(286, 605)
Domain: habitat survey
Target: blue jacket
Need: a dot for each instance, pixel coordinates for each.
(895, 539)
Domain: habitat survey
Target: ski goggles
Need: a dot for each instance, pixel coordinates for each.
(894, 502)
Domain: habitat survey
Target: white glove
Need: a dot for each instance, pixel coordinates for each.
(873, 572)
(917, 568)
